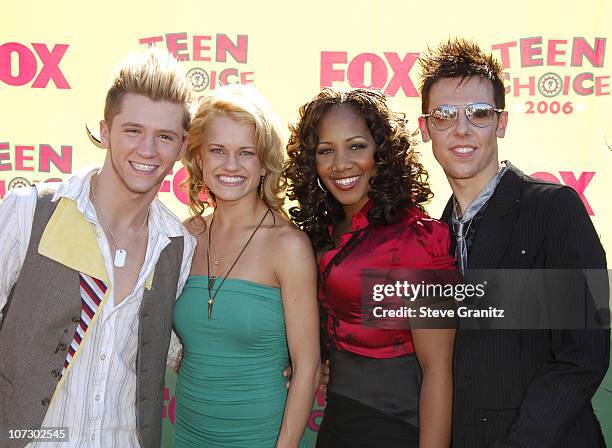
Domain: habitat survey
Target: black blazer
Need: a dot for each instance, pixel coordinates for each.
(530, 388)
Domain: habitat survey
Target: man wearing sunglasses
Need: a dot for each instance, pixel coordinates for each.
(513, 387)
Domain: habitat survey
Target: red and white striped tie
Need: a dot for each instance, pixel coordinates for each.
(92, 291)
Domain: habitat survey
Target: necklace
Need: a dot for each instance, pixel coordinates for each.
(212, 279)
(120, 253)
(217, 262)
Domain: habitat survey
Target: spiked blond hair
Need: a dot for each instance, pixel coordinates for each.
(154, 74)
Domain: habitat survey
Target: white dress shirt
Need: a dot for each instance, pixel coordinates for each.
(97, 399)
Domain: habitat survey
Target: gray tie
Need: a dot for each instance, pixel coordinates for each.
(461, 249)
(459, 223)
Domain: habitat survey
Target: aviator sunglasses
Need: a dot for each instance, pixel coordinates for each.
(445, 115)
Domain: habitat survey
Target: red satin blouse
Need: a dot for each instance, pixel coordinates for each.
(415, 242)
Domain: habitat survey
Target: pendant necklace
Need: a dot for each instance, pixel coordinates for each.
(212, 278)
(120, 252)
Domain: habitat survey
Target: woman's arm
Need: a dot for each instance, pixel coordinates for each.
(296, 272)
(434, 351)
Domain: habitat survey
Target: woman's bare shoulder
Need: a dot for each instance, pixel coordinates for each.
(289, 238)
(196, 225)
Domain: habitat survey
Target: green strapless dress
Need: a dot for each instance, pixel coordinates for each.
(230, 391)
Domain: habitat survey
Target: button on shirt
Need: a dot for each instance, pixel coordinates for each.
(96, 399)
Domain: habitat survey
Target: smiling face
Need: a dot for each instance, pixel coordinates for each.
(345, 156)
(230, 166)
(144, 140)
(468, 154)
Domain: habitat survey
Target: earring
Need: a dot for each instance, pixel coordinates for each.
(323, 189)
(261, 187)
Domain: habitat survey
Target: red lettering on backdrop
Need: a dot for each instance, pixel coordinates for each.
(245, 78)
(553, 51)
(530, 85)
(150, 41)
(166, 398)
(529, 51)
(198, 47)
(176, 42)
(328, 73)
(168, 411)
(237, 50)
(356, 71)
(27, 65)
(314, 421)
(505, 52)
(531, 48)
(595, 54)
(178, 45)
(50, 70)
(225, 74)
(600, 85)
(579, 185)
(20, 157)
(48, 155)
(401, 68)
(4, 146)
(578, 84)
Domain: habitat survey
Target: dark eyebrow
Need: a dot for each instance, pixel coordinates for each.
(347, 140)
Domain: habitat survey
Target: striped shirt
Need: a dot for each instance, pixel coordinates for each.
(96, 399)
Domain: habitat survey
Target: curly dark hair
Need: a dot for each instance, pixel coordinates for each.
(460, 58)
(400, 181)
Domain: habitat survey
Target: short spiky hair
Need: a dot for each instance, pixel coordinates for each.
(154, 74)
(460, 58)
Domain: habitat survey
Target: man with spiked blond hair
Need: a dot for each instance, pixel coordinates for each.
(90, 272)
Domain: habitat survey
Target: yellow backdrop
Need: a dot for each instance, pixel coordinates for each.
(57, 58)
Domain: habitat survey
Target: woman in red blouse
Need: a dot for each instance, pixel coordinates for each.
(359, 188)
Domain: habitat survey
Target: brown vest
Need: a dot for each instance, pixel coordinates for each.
(40, 319)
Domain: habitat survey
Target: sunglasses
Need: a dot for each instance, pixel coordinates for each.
(445, 115)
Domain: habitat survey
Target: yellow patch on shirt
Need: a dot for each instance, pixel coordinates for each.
(70, 240)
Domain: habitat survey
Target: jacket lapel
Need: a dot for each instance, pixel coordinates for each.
(447, 213)
(498, 222)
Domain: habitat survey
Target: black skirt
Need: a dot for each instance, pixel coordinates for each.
(371, 403)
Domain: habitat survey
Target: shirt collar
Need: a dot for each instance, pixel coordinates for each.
(482, 198)
(77, 188)
(360, 219)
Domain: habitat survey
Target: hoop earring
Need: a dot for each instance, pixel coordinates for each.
(323, 189)
(261, 187)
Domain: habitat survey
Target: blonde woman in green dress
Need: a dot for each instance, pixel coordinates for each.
(250, 304)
